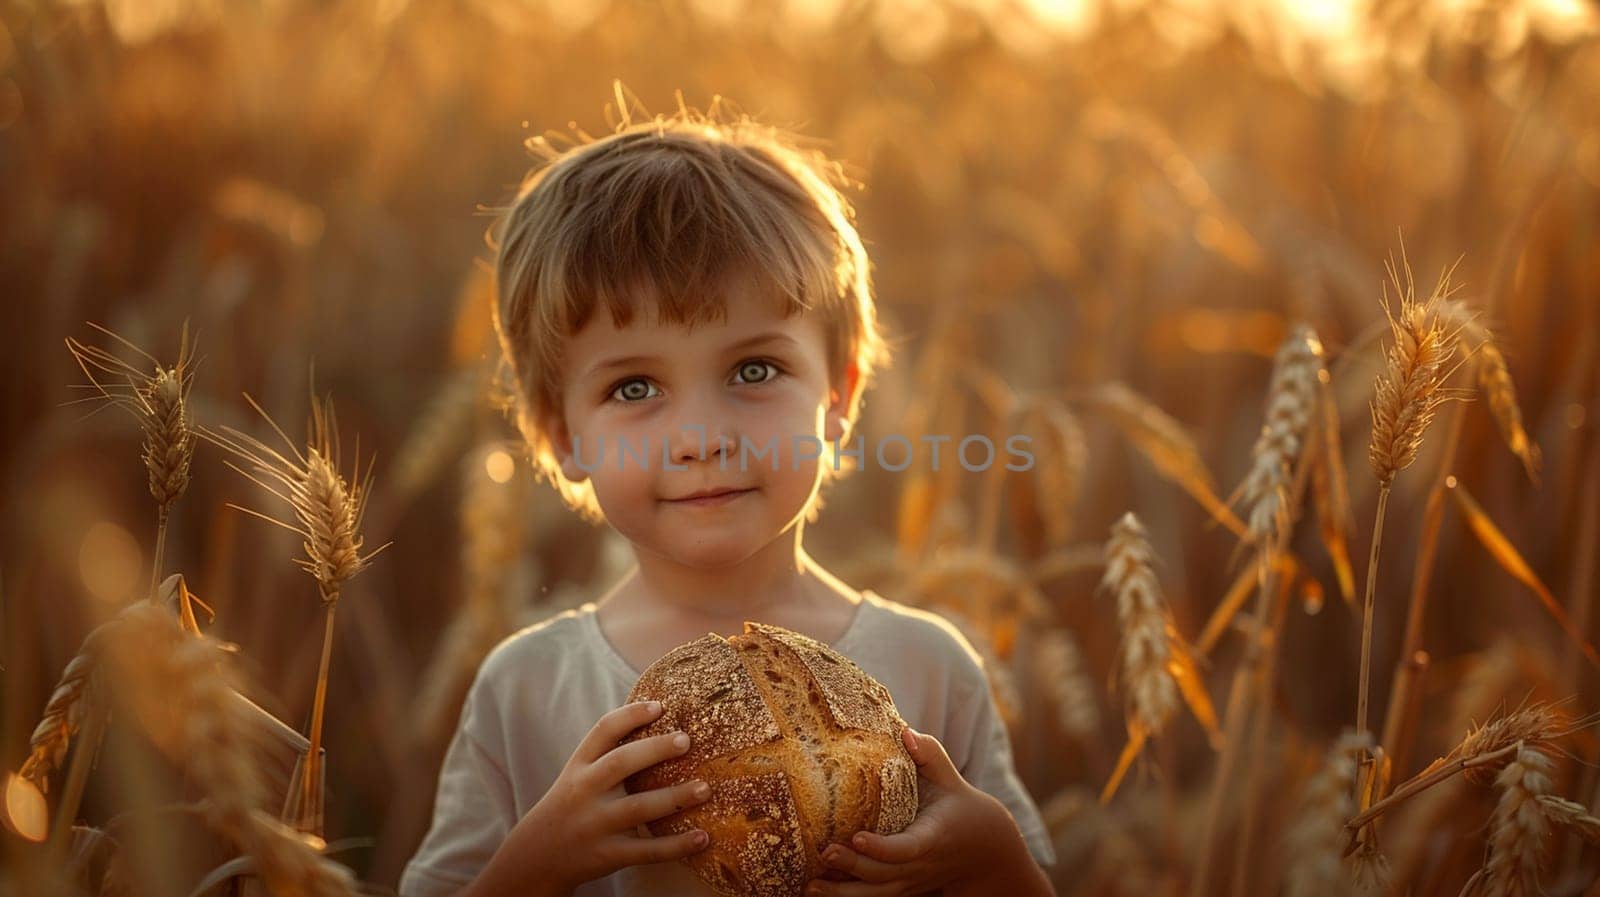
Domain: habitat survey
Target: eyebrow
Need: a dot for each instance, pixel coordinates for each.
(631, 360)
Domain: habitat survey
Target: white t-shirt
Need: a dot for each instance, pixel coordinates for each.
(540, 691)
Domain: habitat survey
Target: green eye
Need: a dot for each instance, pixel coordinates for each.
(756, 371)
(629, 391)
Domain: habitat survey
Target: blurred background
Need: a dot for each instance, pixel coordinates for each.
(1059, 197)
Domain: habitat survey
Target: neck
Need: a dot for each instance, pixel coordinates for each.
(781, 574)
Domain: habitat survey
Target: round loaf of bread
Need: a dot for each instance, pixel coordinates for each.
(800, 746)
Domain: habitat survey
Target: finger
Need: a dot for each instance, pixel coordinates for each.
(646, 806)
(838, 856)
(933, 761)
(624, 761)
(612, 726)
(640, 851)
(902, 847)
(819, 887)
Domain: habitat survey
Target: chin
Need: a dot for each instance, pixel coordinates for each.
(715, 552)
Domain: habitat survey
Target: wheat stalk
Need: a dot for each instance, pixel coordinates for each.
(1479, 753)
(73, 698)
(1061, 456)
(1164, 441)
(160, 402)
(494, 528)
(1156, 664)
(1292, 398)
(1315, 838)
(1409, 391)
(1273, 487)
(982, 585)
(77, 699)
(1407, 394)
(1145, 651)
(1060, 664)
(1293, 395)
(1494, 378)
(328, 511)
(1002, 681)
(437, 432)
(184, 691)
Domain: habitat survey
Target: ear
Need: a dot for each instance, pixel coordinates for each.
(842, 399)
(555, 426)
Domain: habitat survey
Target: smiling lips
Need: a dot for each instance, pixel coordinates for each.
(710, 497)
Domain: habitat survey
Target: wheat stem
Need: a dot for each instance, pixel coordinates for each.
(161, 547)
(1261, 720)
(1366, 611)
(1425, 780)
(311, 782)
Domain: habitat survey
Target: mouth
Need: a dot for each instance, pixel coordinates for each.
(710, 499)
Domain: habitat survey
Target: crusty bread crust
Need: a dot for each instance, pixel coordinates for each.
(801, 748)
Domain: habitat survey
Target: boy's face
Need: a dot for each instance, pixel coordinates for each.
(758, 381)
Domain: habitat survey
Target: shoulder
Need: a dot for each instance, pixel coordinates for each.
(540, 652)
(915, 634)
(546, 680)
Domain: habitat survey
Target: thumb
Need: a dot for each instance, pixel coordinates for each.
(933, 762)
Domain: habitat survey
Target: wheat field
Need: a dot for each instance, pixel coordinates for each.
(1299, 303)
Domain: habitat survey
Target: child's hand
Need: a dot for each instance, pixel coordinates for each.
(949, 842)
(581, 830)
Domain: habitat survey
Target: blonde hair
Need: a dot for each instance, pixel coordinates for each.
(667, 211)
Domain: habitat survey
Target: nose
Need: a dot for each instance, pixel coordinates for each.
(696, 442)
(702, 437)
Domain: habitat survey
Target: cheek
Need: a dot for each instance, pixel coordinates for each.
(627, 482)
(785, 421)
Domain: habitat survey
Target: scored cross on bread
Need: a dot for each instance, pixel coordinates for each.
(801, 748)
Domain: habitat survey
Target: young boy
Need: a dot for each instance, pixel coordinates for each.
(686, 309)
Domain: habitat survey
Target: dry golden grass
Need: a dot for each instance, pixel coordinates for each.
(1099, 237)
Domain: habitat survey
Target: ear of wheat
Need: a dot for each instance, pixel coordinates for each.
(1292, 399)
(1316, 837)
(328, 508)
(158, 397)
(1520, 828)
(1152, 694)
(1409, 391)
(1494, 378)
(1536, 725)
